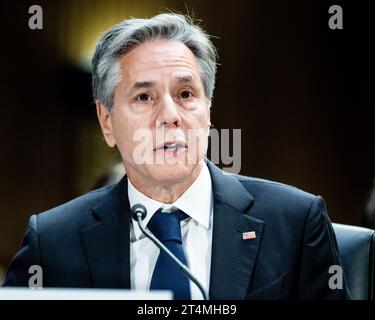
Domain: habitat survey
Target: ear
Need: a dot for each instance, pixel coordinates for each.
(105, 120)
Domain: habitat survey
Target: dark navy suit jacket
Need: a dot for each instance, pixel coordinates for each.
(85, 242)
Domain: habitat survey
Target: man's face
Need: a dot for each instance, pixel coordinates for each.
(160, 117)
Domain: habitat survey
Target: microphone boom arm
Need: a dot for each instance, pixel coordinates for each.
(162, 247)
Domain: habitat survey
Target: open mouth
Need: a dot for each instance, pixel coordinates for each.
(172, 146)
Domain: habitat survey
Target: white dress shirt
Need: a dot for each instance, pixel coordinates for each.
(196, 232)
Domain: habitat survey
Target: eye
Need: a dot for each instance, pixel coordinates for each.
(143, 97)
(186, 94)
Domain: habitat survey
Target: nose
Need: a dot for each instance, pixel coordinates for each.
(168, 114)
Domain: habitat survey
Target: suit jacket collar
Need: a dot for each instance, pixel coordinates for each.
(107, 242)
(232, 258)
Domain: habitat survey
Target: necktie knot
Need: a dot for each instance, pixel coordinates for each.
(166, 225)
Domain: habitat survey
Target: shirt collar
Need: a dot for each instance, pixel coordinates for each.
(196, 201)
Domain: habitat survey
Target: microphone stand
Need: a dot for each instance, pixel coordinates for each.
(163, 248)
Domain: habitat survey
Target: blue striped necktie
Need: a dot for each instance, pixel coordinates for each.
(167, 276)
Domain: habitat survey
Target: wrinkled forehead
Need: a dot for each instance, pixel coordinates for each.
(153, 59)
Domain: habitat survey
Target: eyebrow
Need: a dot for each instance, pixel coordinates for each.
(144, 84)
(183, 79)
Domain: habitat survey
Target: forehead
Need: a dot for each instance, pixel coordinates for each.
(156, 58)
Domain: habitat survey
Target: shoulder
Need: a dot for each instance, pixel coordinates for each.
(267, 188)
(73, 213)
(273, 198)
(269, 197)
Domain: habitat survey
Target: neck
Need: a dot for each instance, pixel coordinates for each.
(164, 192)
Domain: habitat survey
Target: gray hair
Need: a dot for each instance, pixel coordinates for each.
(122, 37)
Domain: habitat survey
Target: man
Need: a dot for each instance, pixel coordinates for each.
(242, 238)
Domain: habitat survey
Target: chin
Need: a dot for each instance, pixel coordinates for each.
(172, 173)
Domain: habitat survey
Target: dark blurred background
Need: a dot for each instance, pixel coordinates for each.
(301, 93)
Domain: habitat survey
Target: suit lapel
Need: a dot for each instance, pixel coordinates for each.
(232, 258)
(107, 242)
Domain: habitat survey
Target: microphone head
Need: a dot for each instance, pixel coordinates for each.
(138, 209)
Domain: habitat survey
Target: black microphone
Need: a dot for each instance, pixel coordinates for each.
(139, 212)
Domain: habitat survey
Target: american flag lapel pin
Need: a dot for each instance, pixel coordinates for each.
(249, 235)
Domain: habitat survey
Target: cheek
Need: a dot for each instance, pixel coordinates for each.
(198, 118)
(123, 132)
(133, 140)
(203, 123)
(197, 133)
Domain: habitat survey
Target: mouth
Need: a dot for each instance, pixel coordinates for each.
(172, 146)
